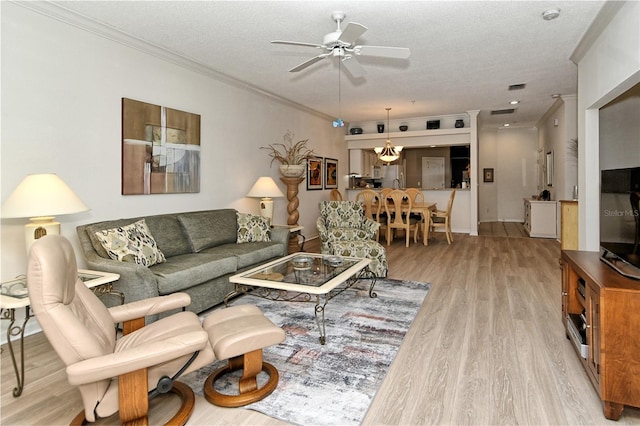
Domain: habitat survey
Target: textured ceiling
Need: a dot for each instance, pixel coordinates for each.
(464, 55)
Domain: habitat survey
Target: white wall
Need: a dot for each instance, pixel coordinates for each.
(512, 155)
(556, 129)
(488, 191)
(607, 66)
(61, 112)
(620, 131)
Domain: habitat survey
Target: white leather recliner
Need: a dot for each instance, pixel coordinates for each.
(112, 375)
(121, 375)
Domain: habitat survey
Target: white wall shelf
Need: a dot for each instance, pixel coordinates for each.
(409, 134)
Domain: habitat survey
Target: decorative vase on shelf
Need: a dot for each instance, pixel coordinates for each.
(292, 170)
(459, 124)
(380, 128)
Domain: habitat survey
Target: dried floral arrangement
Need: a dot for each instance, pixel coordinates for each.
(289, 153)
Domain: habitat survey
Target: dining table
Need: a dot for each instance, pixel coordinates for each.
(424, 208)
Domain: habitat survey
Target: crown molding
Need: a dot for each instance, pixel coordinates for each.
(608, 10)
(84, 23)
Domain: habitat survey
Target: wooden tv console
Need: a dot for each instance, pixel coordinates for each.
(609, 305)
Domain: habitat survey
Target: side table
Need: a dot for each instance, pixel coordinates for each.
(14, 295)
(295, 231)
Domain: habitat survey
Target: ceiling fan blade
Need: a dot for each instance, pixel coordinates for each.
(351, 33)
(298, 43)
(309, 62)
(353, 66)
(382, 51)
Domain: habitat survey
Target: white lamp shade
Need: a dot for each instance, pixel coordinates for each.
(265, 187)
(42, 195)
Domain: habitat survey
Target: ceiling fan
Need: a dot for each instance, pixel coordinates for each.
(341, 44)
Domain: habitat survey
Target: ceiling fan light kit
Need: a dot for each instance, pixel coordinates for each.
(341, 44)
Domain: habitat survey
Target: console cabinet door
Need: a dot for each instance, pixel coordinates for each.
(593, 331)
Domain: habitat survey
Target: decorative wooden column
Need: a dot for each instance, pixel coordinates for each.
(292, 196)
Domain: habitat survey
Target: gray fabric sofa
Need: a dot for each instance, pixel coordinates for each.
(201, 254)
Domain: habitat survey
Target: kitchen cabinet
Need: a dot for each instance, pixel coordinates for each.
(540, 218)
(362, 162)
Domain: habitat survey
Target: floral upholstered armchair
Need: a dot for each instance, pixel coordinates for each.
(344, 221)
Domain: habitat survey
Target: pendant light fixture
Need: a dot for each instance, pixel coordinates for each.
(388, 153)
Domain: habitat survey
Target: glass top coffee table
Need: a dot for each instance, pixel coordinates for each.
(304, 277)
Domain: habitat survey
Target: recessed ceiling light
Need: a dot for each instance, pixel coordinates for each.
(433, 146)
(514, 102)
(550, 14)
(556, 95)
(506, 124)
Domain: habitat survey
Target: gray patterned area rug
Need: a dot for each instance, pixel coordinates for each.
(331, 384)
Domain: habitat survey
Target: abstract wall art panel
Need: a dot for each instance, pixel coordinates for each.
(160, 149)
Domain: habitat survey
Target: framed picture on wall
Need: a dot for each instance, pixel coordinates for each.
(488, 175)
(314, 173)
(160, 149)
(330, 173)
(548, 162)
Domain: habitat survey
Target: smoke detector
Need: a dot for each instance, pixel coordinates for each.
(550, 14)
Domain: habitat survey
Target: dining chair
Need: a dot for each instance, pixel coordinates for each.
(417, 197)
(382, 217)
(398, 207)
(335, 195)
(370, 199)
(442, 218)
(384, 192)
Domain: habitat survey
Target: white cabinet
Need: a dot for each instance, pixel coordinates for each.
(540, 218)
(355, 161)
(362, 162)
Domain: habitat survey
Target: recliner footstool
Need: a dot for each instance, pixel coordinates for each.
(239, 333)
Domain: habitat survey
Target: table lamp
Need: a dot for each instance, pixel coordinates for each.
(266, 189)
(40, 197)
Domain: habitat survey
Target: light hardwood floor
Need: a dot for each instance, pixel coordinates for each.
(487, 347)
(502, 229)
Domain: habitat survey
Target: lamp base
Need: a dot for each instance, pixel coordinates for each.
(266, 208)
(38, 228)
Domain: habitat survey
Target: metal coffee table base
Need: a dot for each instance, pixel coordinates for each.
(320, 300)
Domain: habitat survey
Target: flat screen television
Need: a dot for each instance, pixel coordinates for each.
(620, 220)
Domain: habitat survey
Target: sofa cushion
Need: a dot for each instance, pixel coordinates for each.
(252, 228)
(131, 243)
(250, 254)
(169, 234)
(187, 270)
(92, 230)
(209, 228)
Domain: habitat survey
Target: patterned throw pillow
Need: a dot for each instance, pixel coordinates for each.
(252, 228)
(131, 243)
